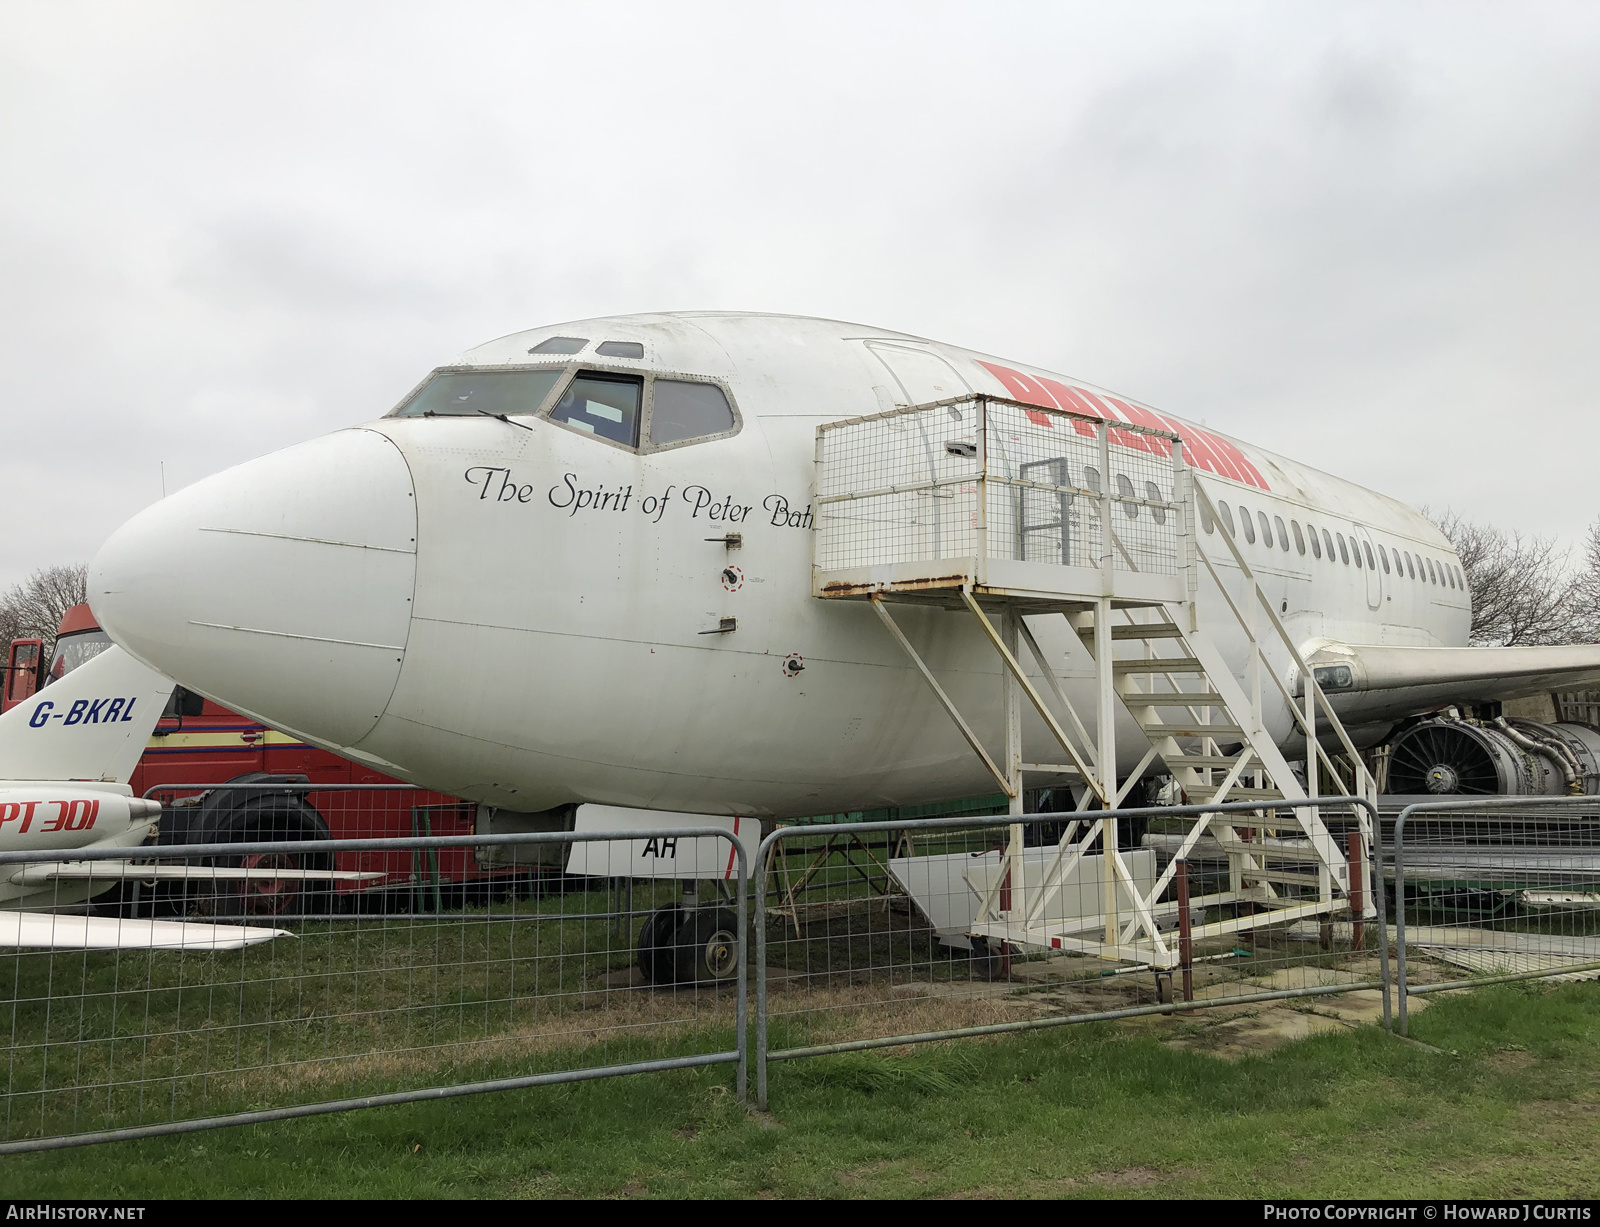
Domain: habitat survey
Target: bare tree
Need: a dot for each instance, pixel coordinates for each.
(1586, 589)
(34, 607)
(1523, 592)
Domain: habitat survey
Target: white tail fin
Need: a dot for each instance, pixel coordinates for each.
(91, 725)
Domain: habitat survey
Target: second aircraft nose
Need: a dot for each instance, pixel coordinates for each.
(281, 588)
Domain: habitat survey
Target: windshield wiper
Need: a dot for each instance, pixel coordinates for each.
(503, 418)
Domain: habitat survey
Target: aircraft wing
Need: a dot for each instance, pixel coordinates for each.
(107, 871)
(1387, 682)
(57, 931)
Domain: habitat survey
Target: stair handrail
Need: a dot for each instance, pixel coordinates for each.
(1308, 676)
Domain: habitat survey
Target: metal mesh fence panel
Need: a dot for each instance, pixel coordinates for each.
(905, 486)
(881, 933)
(195, 1004)
(1498, 889)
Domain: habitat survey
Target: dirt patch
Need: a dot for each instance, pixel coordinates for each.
(1511, 1060)
(1253, 1034)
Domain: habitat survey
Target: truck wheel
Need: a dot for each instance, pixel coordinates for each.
(655, 943)
(706, 946)
(273, 896)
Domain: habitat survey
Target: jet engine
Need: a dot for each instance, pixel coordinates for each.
(1455, 756)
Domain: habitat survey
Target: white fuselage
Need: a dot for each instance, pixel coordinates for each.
(520, 615)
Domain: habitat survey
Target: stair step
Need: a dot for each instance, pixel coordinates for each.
(1164, 664)
(1155, 630)
(1191, 729)
(1235, 794)
(1189, 698)
(1201, 761)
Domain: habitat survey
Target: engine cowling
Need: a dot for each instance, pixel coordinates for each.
(1454, 757)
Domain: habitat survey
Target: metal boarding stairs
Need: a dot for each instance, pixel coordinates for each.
(995, 507)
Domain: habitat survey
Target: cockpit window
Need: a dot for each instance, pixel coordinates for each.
(562, 345)
(604, 405)
(683, 410)
(468, 393)
(620, 349)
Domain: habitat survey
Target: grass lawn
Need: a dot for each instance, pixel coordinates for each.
(1511, 1108)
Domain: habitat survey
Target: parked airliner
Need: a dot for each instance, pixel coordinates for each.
(575, 565)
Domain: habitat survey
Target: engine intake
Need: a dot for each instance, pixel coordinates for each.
(1455, 757)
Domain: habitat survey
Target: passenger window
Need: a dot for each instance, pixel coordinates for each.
(469, 393)
(1206, 522)
(1299, 537)
(1247, 523)
(1383, 557)
(1344, 554)
(560, 345)
(1316, 542)
(604, 405)
(1091, 478)
(1153, 493)
(1399, 567)
(1355, 548)
(1266, 529)
(1411, 567)
(620, 349)
(1125, 489)
(1461, 580)
(1227, 516)
(1328, 541)
(1432, 574)
(682, 410)
(1366, 549)
(1283, 535)
(1450, 574)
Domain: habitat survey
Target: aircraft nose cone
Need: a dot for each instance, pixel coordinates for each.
(281, 588)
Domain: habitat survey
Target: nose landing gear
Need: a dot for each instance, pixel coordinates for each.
(679, 945)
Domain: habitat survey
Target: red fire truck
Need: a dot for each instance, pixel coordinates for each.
(198, 742)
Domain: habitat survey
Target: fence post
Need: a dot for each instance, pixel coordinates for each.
(1400, 911)
(1185, 931)
(1358, 904)
(763, 855)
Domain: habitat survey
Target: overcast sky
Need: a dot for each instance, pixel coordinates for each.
(1367, 236)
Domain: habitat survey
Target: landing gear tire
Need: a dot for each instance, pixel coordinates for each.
(988, 959)
(706, 947)
(655, 944)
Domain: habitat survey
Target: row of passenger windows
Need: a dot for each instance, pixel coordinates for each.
(602, 403)
(1324, 543)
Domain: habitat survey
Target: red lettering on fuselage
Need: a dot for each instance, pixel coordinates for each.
(1203, 449)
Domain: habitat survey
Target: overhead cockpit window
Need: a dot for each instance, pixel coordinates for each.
(560, 345)
(682, 410)
(468, 393)
(604, 405)
(620, 349)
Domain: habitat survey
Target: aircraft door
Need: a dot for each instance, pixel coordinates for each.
(1370, 556)
(920, 376)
